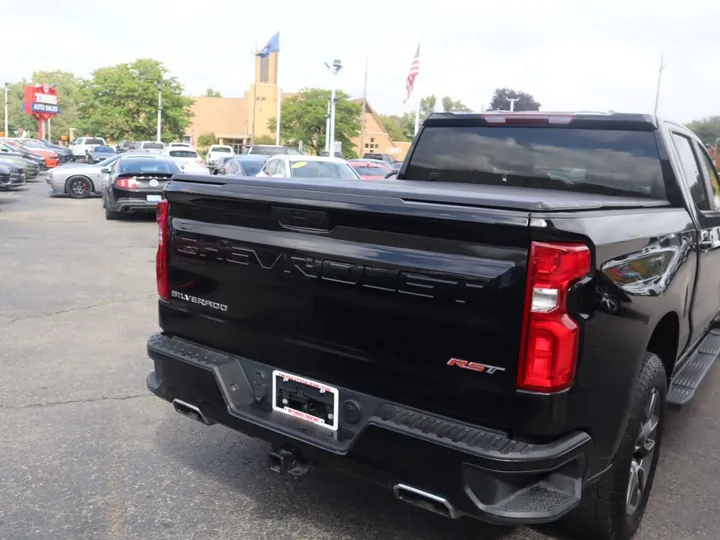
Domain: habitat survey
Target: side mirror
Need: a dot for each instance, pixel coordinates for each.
(105, 170)
(391, 174)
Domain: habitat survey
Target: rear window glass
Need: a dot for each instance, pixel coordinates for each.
(609, 162)
(141, 166)
(322, 169)
(364, 170)
(225, 149)
(94, 141)
(183, 154)
(153, 146)
(252, 166)
(103, 149)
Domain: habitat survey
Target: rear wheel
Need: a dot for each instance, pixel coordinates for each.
(614, 506)
(79, 187)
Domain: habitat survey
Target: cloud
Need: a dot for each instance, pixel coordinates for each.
(568, 54)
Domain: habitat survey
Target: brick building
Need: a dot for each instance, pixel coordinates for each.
(231, 119)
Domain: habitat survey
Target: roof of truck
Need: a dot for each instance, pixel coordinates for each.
(605, 120)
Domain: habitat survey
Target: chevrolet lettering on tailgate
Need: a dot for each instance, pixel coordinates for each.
(446, 288)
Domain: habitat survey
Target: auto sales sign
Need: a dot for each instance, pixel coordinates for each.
(41, 101)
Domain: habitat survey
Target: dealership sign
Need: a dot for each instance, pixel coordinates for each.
(41, 101)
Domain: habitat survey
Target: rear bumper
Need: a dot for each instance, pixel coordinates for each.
(479, 472)
(130, 205)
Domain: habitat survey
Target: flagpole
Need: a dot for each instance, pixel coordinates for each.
(255, 68)
(419, 95)
(279, 99)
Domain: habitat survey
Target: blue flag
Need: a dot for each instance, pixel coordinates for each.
(273, 46)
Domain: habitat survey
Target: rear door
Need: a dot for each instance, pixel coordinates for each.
(700, 175)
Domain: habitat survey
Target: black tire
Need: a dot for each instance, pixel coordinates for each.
(79, 187)
(605, 513)
(109, 213)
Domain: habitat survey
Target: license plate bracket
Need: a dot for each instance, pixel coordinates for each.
(305, 399)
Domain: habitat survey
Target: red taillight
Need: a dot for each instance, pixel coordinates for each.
(126, 183)
(549, 349)
(161, 257)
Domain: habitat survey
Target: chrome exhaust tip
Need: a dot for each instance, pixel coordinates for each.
(423, 499)
(191, 411)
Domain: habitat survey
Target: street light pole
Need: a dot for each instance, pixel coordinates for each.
(512, 103)
(364, 111)
(657, 90)
(7, 103)
(336, 66)
(159, 118)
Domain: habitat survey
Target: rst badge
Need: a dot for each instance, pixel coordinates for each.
(474, 366)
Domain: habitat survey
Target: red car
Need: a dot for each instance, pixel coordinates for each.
(370, 170)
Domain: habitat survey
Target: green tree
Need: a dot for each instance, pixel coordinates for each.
(265, 139)
(428, 105)
(206, 139)
(450, 105)
(399, 127)
(120, 102)
(210, 92)
(708, 129)
(525, 101)
(17, 117)
(303, 119)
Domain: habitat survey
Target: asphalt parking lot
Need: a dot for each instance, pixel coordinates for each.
(87, 453)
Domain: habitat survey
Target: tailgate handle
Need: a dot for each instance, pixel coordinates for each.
(296, 218)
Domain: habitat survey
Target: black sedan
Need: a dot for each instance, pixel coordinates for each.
(11, 176)
(135, 184)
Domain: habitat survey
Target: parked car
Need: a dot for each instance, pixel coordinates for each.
(291, 166)
(270, 150)
(64, 154)
(246, 165)
(126, 146)
(30, 168)
(496, 337)
(11, 176)
(153, 147)
(179, 145)
(219, 163)
(217, 151)
(82, 145)
(188, 159)
(100, 153)
(387, 158)
(50, 158)
(370, 170)
(80, 180)
(135, 184)
(7, 150)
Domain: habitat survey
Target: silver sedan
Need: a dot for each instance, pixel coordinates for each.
(79, 180)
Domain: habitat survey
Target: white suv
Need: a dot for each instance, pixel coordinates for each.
(217, 151)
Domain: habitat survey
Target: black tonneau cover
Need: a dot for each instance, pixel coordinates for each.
(411, 193)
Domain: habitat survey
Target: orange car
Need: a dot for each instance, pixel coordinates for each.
(51, 158)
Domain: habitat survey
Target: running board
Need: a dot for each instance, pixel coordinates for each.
(689, 377)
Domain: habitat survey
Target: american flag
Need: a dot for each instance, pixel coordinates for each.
(412, 74)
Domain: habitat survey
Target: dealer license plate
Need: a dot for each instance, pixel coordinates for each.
(308, 400)
(154, 198)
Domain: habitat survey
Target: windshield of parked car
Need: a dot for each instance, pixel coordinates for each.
(144, 166)
(370, 170)
(103, 149)
(94, 141)
(107, 162)
(183, 154)
(601, 161)
(252, 166)
(322, 169)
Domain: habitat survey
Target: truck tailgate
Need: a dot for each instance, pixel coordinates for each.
(391, 299)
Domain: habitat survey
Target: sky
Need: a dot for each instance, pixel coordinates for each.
(569, 54)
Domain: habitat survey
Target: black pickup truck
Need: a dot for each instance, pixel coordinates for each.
(496, 333)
